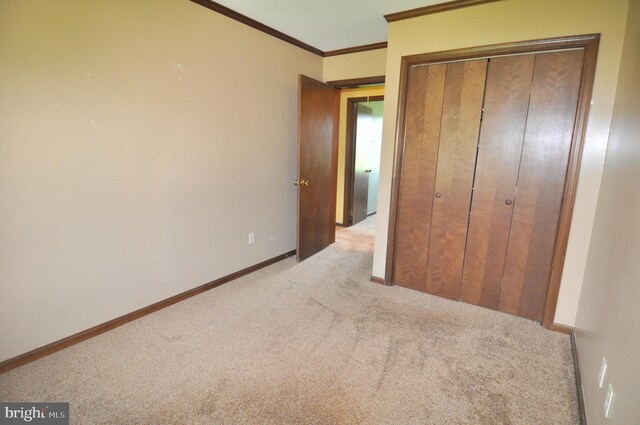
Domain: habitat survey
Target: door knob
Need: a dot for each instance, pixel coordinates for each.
(438, 195)
(367, 171)
(304, 182)
(508, 202)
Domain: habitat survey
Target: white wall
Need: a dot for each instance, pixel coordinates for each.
(374, 153)
(608, 320)
(140, 142)
(508, 21)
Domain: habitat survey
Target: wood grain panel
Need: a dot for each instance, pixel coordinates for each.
(589, 44)
(316, 209)
(550, 124)
(422, 131)
(505, 114)
(461, 112)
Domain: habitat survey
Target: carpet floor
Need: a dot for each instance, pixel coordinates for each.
(312, 343)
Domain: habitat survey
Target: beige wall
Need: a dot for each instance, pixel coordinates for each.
(355, 65)
(345, 94)
(506, 21)
(140, 142)
(608, 321)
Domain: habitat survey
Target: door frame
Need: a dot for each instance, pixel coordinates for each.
(589, 43)
(337, 86)
(349, 153)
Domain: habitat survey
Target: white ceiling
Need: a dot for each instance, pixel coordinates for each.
(327, 24)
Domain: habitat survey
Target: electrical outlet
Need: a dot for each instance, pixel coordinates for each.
(608, 401)
(603, 372)
(252, 238)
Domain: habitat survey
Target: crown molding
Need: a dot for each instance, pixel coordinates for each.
(436, 8)
(356, 49)
(230, 13)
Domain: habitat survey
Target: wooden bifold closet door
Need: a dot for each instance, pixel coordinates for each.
(486, 148)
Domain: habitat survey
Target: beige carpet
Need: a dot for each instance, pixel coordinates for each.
(312, 343)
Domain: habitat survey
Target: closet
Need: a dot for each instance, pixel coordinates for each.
(481, 178)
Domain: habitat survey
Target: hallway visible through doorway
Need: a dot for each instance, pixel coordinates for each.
(360, 140)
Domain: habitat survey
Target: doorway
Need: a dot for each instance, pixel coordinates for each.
(360, 140)
(321, 159)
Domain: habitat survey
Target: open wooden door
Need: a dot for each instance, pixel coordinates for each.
(317, 173)
(362, 163)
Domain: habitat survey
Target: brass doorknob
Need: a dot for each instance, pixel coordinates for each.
(304, 182)
(438, 195)
(508, 202)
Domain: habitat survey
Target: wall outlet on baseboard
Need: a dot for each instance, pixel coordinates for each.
(252, 238)
(608, 401)
(603, 372)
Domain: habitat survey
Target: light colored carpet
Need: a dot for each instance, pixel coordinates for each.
(312, 343)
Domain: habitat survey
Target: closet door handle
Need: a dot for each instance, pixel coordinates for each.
(438, 194)
(508, 202)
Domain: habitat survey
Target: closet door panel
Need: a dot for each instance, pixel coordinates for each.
(505, 114)
(461, 112)
(423, 117)
(552, 111)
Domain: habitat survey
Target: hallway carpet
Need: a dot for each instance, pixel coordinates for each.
(312, 343)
